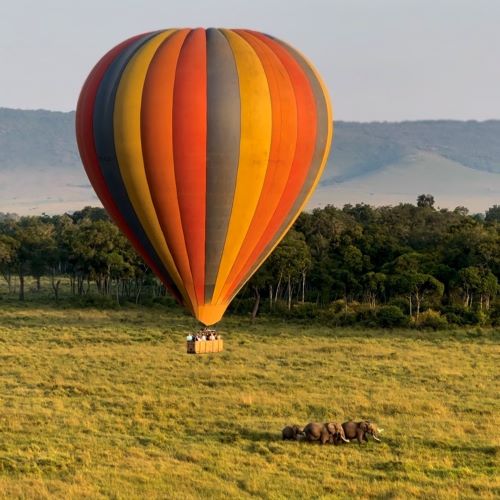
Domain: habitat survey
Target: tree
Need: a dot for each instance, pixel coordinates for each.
(8, 251)
(488, 289)
(34, 241)
(419, 286)
(470, 281)
(425, 200)
(290, 260)
(493, 214)
(262, 279)
(374, 286)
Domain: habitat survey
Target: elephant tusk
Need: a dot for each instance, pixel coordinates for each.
(344, 439)
(377, 439)
(381, 430)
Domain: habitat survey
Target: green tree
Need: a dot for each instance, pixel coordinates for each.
(291, 260)
(418, 286)
(8, 251)
(425, 200)
(493, 214)
(34, 241)
(374, 286)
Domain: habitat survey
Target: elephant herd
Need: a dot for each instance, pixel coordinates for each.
(332, 432)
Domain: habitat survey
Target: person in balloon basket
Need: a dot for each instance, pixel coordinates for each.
(203, 336)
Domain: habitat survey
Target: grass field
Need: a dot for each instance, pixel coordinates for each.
(106, 404)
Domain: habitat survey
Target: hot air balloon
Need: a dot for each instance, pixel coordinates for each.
(204, 146)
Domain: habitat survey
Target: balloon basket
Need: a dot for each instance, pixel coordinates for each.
(206, 341)
(205, 346)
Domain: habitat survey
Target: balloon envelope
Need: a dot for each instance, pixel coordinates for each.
(204, 146)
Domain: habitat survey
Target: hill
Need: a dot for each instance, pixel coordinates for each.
(377, 163)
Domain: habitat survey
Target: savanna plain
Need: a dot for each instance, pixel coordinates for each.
(107, 404)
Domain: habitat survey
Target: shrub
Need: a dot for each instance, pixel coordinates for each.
(432, 319)
(94, 301)
(495, 314)
(327, 316)
(367, 316)
(459, 315)
(307, 310)
(391, 317)
(402, 303)
(338, 306)
(165, 301)
(242, 306)
(346, 319)
(454, 319)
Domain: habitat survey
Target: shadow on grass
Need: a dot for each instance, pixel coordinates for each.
(255, 435)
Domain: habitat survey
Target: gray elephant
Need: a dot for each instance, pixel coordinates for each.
(328, 432)
(360, 430)
(292, 432)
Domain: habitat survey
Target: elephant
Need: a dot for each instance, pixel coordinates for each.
(337, 433)
(360, 430)
(292, 432)
(324, 433)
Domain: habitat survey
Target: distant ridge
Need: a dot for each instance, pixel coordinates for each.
(378, 163)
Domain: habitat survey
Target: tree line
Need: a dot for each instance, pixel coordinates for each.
(376, 266)
(387, 266)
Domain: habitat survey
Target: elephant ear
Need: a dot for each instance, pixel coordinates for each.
(330, 427)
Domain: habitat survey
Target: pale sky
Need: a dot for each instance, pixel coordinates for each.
(381, 59)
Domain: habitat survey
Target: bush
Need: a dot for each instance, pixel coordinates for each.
(338, 306)
(454, 319)
(367, 316)
(327, 316)
(459, 315)
(94, 301)
(402, 303)
(307, 310)
(280, 308)
(391, 317)
(242, 306)
(432, 319)
(347, 319)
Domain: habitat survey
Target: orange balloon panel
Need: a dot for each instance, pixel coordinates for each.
(204, 146)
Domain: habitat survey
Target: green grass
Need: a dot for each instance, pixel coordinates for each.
(106, 404)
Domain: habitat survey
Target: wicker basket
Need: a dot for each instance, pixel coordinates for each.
(204, 346)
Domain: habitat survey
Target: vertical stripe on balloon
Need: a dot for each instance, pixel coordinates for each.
(223, 149)
(189, 146)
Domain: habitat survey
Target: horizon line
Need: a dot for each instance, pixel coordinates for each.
(368, 121)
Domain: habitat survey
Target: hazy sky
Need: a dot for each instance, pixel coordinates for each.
(381, 59)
